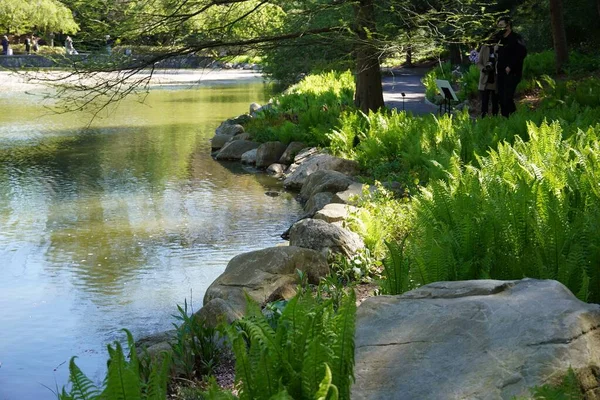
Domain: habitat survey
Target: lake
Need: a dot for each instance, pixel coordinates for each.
(111, 225)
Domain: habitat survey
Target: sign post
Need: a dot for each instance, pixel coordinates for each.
(447, 93)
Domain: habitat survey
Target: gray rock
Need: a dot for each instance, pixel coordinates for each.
(335, 213)
(472, 340)
(218, 141)
(324, 237)
(317, 202)
(216, 311)
(276, 170)
(318, 162)
(269, 153)
(348, 196)
(304, 154)
(324, 181)
(265, 275)
(240, 119)
(234, 150)
(241, 136)
(254, 107)
(249, 157)
(229, 129)
(290, 152)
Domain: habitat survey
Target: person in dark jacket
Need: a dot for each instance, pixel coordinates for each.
(5, 45)
(511, 54)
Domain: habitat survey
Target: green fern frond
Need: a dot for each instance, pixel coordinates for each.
(327, 390)
(82, 388)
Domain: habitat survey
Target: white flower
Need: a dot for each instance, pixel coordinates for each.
(357, 271)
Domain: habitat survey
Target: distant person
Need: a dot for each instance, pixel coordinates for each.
(109, 43)
(69, 46)
(486, 62)
(35, 46)
(511, 54)
(5, 45)
(27, 45)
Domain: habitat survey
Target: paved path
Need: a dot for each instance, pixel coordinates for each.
(407, 81)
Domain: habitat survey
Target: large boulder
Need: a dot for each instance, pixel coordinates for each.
(265, 275)
(290, 152)
(324, 181)
(317, 162)
(324, 237)
(317, 202)
(269, 153)
(229, 129)
(254, 107)
(335, 212)
(225, 132)
(218, 310)
(276, 170)
(351, 193)
(242, 136)
(473, 340)
(218, 141)
(235, 149)
(249, 157)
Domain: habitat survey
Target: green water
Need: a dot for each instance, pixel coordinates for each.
(111, 226)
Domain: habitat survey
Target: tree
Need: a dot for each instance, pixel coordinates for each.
(360, 28)
(18, 16)
(559, 34)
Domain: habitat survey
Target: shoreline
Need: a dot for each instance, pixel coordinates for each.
(16, 81)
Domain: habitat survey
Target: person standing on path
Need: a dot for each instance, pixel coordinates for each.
(69, 46)
(486, 62)
(5, 45)
(28, 45)
(511, 54)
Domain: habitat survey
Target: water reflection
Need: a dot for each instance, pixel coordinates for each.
(110, 227)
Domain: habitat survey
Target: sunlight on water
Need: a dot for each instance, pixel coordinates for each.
(110, 227)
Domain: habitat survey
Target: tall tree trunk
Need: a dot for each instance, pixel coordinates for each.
(455, 54)
(559, 34)
(598, 4)
(369, 91)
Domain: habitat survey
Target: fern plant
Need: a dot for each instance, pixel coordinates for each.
(531, 209)
(123, 380)
(308, 355)
(195, 350)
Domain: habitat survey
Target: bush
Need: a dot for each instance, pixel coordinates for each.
(195, 351)
(308, 355)
(124, 379)
(306, 111)
(530, 210)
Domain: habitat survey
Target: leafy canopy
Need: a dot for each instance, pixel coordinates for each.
(18, 16)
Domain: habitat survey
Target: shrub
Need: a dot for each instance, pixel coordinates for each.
(310, 353)
(195, 351)
(530, 210)
(306, 111)
(123, 379)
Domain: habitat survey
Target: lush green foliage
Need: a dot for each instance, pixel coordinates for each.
(585, 92)
(20, 17)
(309, 354)
(124, 379)
(306, 111)
(381, 217)
(567, 389)
(395, 146)
(396, 270)
(195, 351)
(529, 210)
